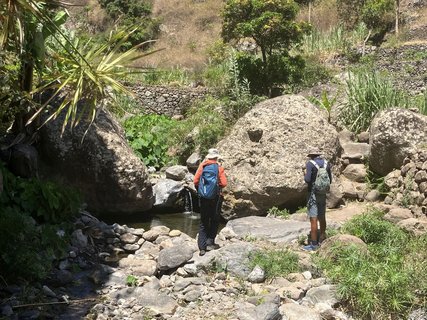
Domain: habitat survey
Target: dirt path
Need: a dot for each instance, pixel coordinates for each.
(343, 214)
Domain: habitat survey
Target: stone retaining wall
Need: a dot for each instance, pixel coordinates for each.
(409, 184)
(170, 101)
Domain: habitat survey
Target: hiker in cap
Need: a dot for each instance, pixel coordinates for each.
(318, 178)
(209, 180)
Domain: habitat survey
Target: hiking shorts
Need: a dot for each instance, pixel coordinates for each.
(316, 205)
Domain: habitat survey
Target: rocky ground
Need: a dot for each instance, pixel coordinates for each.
(116, 272)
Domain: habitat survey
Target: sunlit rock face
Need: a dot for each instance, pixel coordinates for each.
(265, 153)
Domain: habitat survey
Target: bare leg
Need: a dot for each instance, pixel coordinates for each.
(322, 223)
(313, 229)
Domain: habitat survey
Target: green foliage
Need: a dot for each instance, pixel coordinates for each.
(337, 39)
(203, 127)
(313, 73)
(89, 72)
(421, 101)
(12, 100)
(276, 212)
(272, 26)
(238, 99)
(263, 76)
(125, 104)
(44, 201)
(275, 262)
(27, 250)
(385, 281)
(218, 52)
(131, 281)
(149, 135)
(325, 102)
(378, 15)
(372, 229)
(128, 8)
(133, 13)
(368, 93)
(75, 70)
(349, 11)
(20, 245)
(376, 182)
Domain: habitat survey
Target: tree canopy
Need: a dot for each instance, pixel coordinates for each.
(271, 24)
(272, 27)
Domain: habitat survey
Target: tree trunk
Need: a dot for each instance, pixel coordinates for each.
(309, 12)
(397, 17)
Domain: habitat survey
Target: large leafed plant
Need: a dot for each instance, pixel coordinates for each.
(83, 72)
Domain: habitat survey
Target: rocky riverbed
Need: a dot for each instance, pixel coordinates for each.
(117, 272)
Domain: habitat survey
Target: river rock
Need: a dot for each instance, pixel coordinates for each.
(265, 153)
(394, 134)
(97, 161)
(271, 229)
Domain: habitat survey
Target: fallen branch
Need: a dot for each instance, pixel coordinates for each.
(51, 303)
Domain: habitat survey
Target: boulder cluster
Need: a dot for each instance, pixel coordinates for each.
(408, 185)
(157, 273)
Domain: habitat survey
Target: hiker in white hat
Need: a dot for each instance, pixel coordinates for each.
(209, 180)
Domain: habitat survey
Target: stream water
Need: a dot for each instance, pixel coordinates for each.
(187, 222)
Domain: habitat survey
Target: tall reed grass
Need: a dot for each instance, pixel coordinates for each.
(337, 39)
(368, 93)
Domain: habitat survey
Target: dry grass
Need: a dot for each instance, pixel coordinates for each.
(324, 14)
(189, 28)
(91, 12)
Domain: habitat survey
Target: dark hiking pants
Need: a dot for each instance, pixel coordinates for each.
(209, 216)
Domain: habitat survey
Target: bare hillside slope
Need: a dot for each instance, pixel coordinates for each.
(189, 28)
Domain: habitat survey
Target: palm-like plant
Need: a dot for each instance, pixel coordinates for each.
(88, 72)
(91, 77)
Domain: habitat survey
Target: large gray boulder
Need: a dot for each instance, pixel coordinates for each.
(100, 164)
(265, 153)
(394, 134)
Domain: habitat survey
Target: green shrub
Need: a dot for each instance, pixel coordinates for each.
(279, 70)
(276, 212)
(368, 93)
(313, 73)
(275, 262)
(125, 104)
(131, 281)
(130, 14)
(149, 137)
(27, 249)
(13, 101)
(385, 281)
(336, 40)
(373, 229)
(44, 201)
(374, 285)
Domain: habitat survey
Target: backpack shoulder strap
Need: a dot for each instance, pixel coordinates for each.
(315, 164)
(325, 164)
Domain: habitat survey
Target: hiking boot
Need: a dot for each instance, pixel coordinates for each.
(310, 247)
(212, 247)
(202, 252)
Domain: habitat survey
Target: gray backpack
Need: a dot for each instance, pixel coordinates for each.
(322, 184)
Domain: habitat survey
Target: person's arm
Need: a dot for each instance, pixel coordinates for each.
(308, 172)
(328, 169)
(197, 175)
(222, 177)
